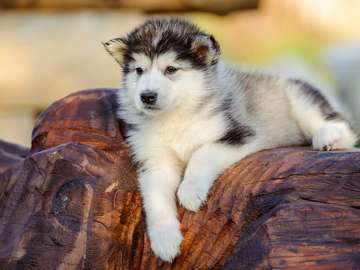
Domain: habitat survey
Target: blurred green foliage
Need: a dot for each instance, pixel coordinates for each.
(258, 46)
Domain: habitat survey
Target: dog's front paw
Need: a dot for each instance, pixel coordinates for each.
(192, 194)
(165, 240)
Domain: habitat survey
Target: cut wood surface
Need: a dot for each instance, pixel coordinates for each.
(71, 202)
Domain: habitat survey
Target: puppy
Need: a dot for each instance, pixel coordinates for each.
(192, 116)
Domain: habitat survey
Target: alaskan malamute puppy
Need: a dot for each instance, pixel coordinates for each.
(192, 116)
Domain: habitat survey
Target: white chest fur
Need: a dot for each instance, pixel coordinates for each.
(181, 133)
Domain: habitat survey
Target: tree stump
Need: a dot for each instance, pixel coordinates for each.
(71, 202)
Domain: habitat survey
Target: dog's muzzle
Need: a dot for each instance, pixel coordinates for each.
(148, 97)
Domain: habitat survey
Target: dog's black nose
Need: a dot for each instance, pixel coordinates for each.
(148, 97)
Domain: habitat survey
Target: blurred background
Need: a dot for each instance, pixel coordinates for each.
(50, 48)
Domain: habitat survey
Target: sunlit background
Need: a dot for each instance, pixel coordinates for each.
(50, 48)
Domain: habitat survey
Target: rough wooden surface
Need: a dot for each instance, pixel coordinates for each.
(72, 203)
(10, 155)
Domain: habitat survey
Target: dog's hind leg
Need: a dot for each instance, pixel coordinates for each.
(321, 123)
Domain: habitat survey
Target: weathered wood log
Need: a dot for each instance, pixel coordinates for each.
(10, 154)
(72, 203)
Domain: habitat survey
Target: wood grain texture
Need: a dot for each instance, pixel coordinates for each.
(72, 203)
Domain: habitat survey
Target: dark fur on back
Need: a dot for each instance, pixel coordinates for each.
(237, 133)
(177, 35)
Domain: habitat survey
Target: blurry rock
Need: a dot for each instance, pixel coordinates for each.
(295, 67)
(336, 18)
(16, 122)
(218, 6)
(46, 56)
(344, 61)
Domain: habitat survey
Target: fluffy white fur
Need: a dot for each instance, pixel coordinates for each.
(181, 137)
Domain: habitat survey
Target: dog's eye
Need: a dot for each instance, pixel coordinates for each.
(170, 70)
(139, 70)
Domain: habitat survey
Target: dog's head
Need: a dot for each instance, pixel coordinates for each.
(165, 64)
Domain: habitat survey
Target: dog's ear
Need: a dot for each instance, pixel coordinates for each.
(206, 48)
(116, 47)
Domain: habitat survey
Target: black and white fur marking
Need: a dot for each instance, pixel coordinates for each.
(193, 115)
